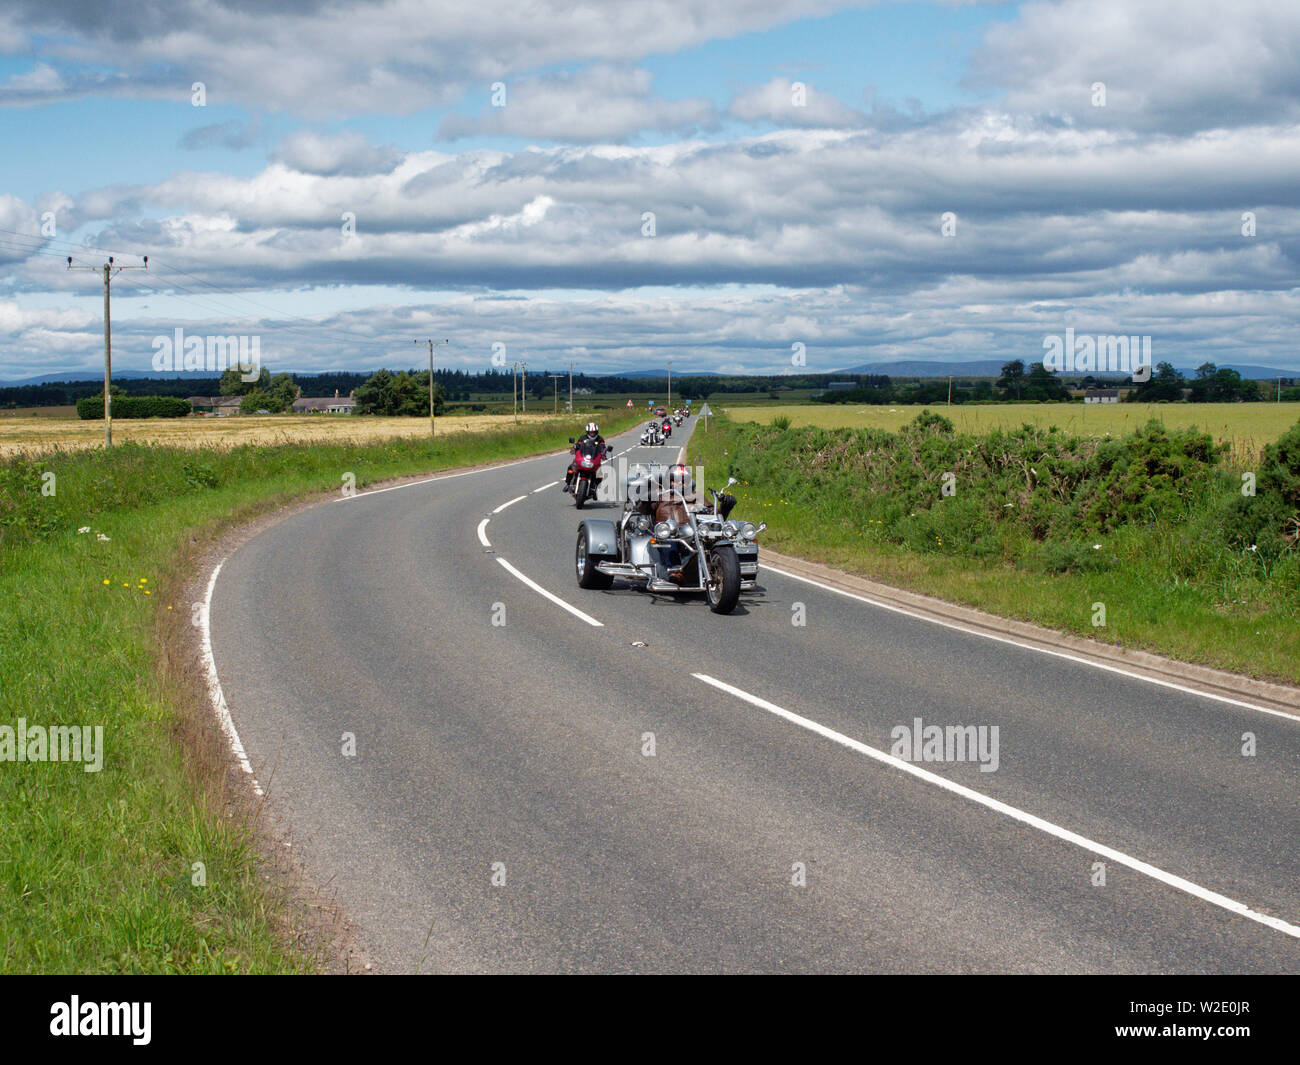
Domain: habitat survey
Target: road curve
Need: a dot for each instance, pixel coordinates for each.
(503, 810)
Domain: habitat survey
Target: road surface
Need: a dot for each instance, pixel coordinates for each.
(672, 790)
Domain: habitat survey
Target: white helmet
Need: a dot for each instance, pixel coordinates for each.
(592, 427)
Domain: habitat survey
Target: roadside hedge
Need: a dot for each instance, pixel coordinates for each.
(90, 408)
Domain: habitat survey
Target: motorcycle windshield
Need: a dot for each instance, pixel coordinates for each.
(588, 449)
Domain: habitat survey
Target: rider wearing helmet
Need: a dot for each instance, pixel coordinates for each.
(590, 435)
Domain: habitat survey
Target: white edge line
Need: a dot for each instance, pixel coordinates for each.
(446, 477)
(215, 693)
(482, 534)
(509, 502)
(1033, 647)
(1033, 821)
(551, 596)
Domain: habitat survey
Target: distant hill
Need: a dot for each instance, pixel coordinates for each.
(91, 375)
(636, 374)
(993, 368)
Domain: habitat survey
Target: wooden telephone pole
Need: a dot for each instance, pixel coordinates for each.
(111, 270)
(433, 429)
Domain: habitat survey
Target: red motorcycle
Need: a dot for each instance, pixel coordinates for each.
(587, 457)
(668, 428)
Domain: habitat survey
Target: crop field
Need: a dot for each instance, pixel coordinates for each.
(1246, 426)
(28, 435)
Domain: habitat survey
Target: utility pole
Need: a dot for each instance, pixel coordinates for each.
(111, 270)
(555, 406)
(432, 427)
(669, 408)
(570, 388)
(523, 384)
(514, 400)
(950, 391)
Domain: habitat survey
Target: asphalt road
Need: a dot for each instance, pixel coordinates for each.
(502, 813)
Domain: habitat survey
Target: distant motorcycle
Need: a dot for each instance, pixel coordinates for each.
(667, 428)
(652, 436)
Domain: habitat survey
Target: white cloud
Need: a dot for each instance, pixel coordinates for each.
(1171, 65)
(399, 56)
(601, 103)
(795, 104)
(348, 154)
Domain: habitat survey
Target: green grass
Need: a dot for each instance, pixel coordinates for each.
(1172, 573)
(96, 868)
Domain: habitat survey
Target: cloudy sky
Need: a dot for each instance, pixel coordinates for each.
(617, 184)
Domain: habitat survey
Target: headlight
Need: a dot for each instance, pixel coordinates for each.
(661, 531)
(643, 523)
(729, 527)
(747, 531)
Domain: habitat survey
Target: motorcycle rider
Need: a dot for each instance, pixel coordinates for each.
(591, 435)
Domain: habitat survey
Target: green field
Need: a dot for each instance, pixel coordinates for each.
(1246, 426)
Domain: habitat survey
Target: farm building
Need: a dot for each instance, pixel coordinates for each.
(218, 405)
(324, 404)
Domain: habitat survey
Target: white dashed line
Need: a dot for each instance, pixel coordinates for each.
(1119, 857)
(545, 487)
(509, 502)
(482, 532)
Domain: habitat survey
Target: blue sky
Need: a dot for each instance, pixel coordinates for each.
(778, 219)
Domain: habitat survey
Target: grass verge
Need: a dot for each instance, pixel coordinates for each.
(147, 865)
(1144, 542)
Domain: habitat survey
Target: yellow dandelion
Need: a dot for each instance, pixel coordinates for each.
(105, 580)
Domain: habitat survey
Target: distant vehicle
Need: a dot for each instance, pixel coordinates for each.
(661, 411)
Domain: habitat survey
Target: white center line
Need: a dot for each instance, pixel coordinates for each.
(482, 535)
(545, 487)
(1119, 857)
(509, 502)
(552, 597)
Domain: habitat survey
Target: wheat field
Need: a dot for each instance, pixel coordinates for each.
(27, 434)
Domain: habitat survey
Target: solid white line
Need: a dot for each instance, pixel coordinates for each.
(1032, 647)
(1119, 857)
(482, 535)
(545, 487)
(553, 598)
(509, 502)
(215, 694)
